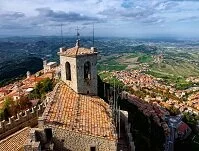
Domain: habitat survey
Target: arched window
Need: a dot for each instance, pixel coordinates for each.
(68, 71)
(87, 70)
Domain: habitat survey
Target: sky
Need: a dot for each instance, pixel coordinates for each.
(112, 18)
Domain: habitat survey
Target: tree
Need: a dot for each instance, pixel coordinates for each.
(1, 114)
(8, 108)
(23, 103)
(41, 89)
(174, 111)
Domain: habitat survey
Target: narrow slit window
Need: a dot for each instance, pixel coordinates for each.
(68, 71)
(87, 70)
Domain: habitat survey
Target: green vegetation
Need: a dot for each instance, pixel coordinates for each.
(121, 62)
(174, 68)
(179, 81)
(174, 111)
(145, 58)
(111, 64)
(15, 69)
(11, 108)
(109, 78)
(132, 55)
(41, 89)
(190, 119)
(111, 67)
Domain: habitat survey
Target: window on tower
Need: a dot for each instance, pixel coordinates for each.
(87, 70)
(68, 71)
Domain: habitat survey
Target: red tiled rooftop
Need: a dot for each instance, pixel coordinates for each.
(80, 113)
(77, 51)
(15, 141)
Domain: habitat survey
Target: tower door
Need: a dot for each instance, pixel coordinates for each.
(48, 132)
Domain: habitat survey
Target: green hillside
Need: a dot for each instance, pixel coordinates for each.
(17, 68)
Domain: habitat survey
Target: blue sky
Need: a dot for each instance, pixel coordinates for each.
(126, 18)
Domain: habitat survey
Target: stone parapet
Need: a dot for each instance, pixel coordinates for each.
(22, 119)
(124, 117)
(28, 118)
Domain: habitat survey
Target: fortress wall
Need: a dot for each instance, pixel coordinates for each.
(124, 118)
(28, 118)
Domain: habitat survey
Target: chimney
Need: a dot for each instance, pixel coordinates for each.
(28, 74)
(77, 43)
(61, 50)
(40, 122)
(93, 49)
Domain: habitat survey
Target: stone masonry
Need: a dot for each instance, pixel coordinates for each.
(77, 82)
(69, 140)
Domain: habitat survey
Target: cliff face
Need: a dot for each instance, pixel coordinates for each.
(17, 67)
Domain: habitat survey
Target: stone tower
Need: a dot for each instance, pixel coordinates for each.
(78, 69)
(44, 65)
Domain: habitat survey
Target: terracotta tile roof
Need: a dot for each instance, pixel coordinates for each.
(182, 128)
(15, 141)
(75, 51)
(80, 113)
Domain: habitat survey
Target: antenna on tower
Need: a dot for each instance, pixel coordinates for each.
(77, 29)
(61, 35)
(93, 34)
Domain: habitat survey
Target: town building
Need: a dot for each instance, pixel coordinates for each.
(48, 66)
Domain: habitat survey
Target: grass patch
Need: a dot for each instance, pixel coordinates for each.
(179, 81)
(145, 59)
(132, 55)
(109, 78)
(102, 67)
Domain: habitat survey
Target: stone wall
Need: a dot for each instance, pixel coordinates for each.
(77, 82)
(124, 118)
(28, 118)
(72, 61)
(85, 86)
(69, 140)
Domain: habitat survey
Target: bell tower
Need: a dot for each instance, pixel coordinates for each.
(78, 68)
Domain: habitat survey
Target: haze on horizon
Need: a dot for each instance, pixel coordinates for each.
(119, 18)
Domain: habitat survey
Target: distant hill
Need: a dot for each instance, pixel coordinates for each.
(16, 68)
(145, 49)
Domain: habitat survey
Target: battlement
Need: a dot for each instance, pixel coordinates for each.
(29, 118)
(22, 119)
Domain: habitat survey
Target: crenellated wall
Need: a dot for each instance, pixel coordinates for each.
(28, 118)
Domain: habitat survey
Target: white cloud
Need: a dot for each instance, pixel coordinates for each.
(37, 15)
